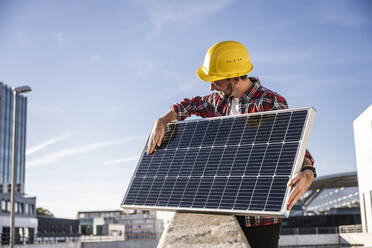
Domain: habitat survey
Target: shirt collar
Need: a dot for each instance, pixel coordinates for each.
(250, 93)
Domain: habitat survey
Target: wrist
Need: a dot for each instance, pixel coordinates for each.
(309, 170)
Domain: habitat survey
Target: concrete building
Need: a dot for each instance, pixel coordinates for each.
(363, 149)
(57, 230)
(138, 224)
(25, 222)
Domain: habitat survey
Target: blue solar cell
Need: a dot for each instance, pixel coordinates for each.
(187, 135)
(255, 160)
(201, 129)
(236, 131)
(216, 192)
(144, 165)
(287, 158)
(280, 127)
(189, 194)
(227, 161)
(201, 161)
(144, 191)
(276, 194)
(177, 192)
(213, 161)
(177, 162)
(211, 132)
(133, 191)
(166, 191)
(264, 129)
(229, 195)
(155, 191)
(241, 160)
(245, 193)
(259, 197)
(155, 163)
(223, 132)
(296, 125)
(189, 161)
(165, 162)
(202, 193)
(250, 130)
(176, 135)
(270, 161)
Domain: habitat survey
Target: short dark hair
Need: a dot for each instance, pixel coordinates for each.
(244, 77)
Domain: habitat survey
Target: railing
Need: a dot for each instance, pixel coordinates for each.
(101, 238)
(350, 229)
(308, 230)
(321, 230)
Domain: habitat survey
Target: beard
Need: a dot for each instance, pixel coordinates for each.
(226, 93)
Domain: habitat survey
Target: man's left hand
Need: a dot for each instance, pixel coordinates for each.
(299, 183)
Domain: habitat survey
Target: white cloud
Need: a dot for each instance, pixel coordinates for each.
(144, 67)
(59, 155)
(121, 160)
(163, 12)
(343, 16)
(59, 39)
(47, 143)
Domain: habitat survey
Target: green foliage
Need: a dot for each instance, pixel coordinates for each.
(44, 212)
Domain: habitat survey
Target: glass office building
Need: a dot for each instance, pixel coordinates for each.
(6, 142)
(25, 207)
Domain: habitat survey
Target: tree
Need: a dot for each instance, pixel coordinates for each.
(44, 212)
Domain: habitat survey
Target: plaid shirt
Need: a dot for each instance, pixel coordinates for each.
(257, 99)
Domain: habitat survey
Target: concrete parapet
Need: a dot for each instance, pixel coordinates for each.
(189, 230)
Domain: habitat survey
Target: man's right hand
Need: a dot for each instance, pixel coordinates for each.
(158, 131)
(156, 136)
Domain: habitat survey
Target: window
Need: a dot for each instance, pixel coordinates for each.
(20, 205)
(8, 206)
(26, 208)
(3, 205)
(31, 209)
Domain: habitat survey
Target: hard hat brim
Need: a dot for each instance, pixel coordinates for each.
(205, 77)
(209, 78)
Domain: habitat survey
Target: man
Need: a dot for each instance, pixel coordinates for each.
(226, 66)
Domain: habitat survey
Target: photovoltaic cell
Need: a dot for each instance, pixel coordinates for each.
(239, 164)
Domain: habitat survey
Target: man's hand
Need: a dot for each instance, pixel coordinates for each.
(158, 131)
(156, 136)
(300, 183)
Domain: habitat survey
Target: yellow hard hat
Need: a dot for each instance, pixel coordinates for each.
(226, 59)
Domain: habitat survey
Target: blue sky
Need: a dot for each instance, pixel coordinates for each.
(103, 71)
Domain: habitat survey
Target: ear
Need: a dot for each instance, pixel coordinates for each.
(236, 80)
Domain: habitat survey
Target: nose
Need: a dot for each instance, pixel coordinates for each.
(213, 86)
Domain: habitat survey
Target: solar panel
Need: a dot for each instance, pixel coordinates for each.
(232, 164)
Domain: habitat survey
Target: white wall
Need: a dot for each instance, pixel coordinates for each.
(363, 149)
(19, 222)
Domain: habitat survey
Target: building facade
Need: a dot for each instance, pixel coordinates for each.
(56, 230)
(363, 149)
(26, 222)
(138, 224)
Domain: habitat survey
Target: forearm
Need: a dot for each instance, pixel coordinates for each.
(170, 116)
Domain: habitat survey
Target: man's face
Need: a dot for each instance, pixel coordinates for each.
(223, 87)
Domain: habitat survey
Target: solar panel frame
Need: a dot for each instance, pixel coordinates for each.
(283, 212)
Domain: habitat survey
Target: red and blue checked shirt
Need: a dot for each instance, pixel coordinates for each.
(257, 99)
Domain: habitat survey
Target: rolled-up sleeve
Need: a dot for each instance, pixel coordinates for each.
(200, 106)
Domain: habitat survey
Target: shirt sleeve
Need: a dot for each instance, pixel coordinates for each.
(200, 106)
